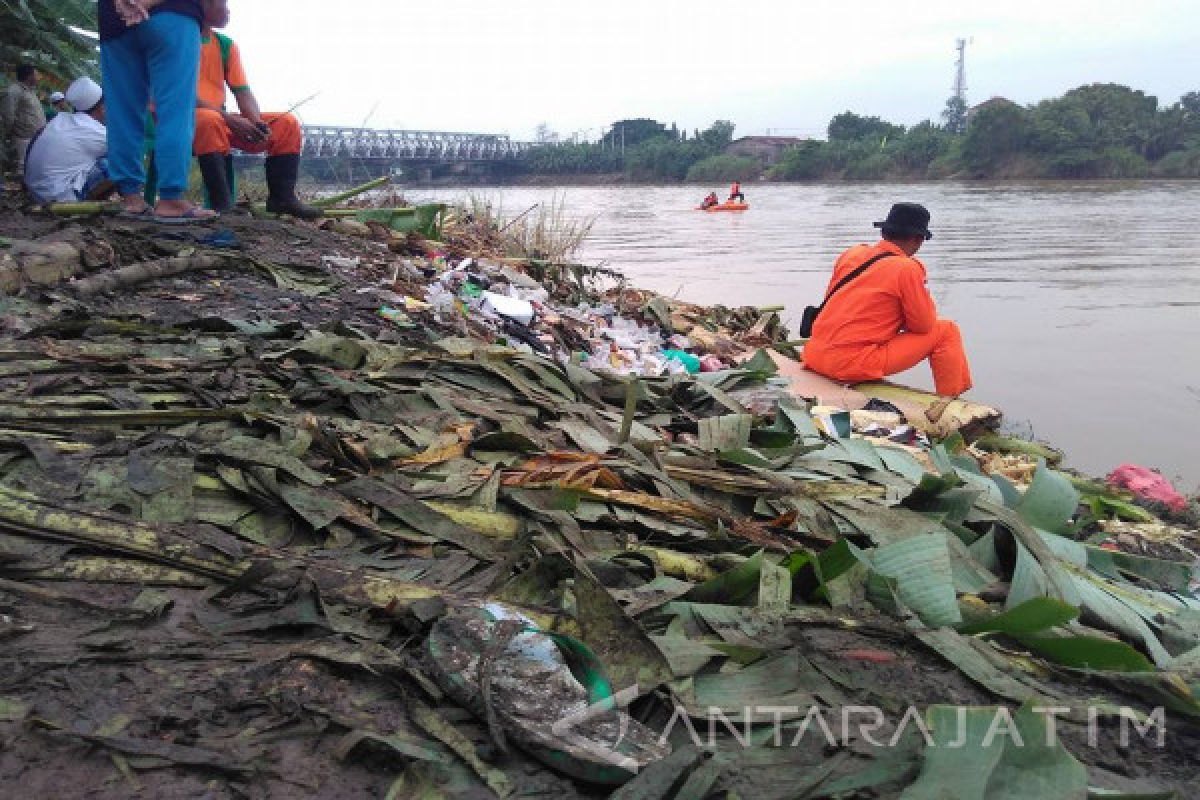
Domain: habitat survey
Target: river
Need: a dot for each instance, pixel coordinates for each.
(1079, 302)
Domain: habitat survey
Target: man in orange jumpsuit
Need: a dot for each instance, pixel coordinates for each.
(251, 131)
(884, 320)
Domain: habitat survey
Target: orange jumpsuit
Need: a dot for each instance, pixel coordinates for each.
(212, 134)
(884, 322)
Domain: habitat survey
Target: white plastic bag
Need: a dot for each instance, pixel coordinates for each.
(512, 307)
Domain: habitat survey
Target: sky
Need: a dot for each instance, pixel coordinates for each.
(784, 66)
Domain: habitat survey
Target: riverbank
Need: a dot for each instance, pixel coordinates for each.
(247, 508)
(1064, 335)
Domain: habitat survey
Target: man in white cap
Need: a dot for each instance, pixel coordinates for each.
(67, 160)
(58, 102)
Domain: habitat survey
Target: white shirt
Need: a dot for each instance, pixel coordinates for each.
(62, 156)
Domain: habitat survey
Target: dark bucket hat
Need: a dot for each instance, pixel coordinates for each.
(907, 219)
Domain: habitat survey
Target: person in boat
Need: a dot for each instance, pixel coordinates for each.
(250, 130)
(68, 159)
(710, 201)
(735, 193)
(884, 320)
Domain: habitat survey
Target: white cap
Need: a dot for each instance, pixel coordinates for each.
(57, 96)
(84, 94)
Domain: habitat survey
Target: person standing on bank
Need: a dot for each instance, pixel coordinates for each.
(250, 130)
(21, 113)
(883, 320)
(151, 48)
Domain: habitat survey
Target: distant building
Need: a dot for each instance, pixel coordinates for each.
(767, 149)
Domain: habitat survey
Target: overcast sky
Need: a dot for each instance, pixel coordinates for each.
(505, 66)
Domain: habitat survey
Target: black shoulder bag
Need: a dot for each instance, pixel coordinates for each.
(811, 313)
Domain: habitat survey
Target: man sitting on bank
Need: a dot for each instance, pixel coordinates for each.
(884, 320)
(250, 130)
(67, 159)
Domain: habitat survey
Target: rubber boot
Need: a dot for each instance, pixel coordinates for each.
(212, 169)
(282, 172)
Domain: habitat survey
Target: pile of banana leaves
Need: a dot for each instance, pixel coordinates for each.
(237, 559)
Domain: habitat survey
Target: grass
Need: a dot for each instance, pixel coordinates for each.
(545, 232)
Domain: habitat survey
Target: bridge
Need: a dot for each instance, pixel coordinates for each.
(429, 147)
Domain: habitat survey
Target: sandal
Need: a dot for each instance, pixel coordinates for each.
(192, 215)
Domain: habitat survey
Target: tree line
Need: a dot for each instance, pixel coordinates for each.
(643, 149)
(1092, 131)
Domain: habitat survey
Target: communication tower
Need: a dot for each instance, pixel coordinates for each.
(960, 72)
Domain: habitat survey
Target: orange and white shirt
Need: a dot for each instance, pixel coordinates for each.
(220, 66)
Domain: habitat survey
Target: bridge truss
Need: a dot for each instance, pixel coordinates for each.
(325, 141)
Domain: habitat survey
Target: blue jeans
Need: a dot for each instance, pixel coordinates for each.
(97, 176)
(158, 59)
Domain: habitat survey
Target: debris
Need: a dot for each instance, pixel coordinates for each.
(1147, 484)
(513, 308)
(493, 659)
(341, 262)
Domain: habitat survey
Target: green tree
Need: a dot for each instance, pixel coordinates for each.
(920, 146)
(724, 168)
(572, 159)
(1179, 164)
(662, 159)
(43, 32)
(807, 161)
(718, 135)
(631, 132)
(1169, 131)
(869, 167)
(1190, 103)
(999, 131)
(955, 115)
(1120, 116)
(851, 127)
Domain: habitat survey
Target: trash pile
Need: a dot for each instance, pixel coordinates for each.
(503, 305)
(308, 517)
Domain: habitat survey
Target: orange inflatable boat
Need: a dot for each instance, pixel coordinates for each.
(725, 207)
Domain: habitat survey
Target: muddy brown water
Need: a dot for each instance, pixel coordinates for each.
(1079, 302)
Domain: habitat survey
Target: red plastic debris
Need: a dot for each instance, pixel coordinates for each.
(1148, 485)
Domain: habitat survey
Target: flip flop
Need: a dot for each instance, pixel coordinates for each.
(189, 217)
